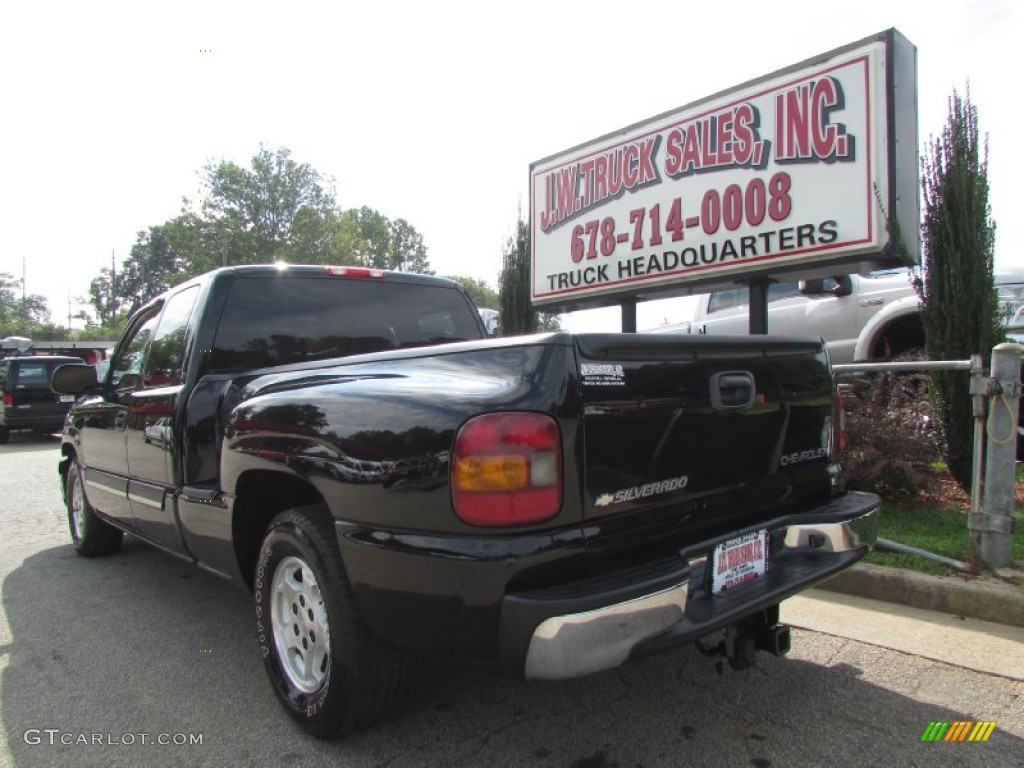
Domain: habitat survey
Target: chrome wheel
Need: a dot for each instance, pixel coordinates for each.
(76, 506)
(300, 629)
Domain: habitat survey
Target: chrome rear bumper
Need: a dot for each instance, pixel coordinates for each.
(803, 553)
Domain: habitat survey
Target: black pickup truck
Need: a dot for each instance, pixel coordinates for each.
(349, 445)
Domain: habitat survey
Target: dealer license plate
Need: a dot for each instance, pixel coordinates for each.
(739, 560)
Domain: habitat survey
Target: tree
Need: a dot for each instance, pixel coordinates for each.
(958, 298)
(103, 298)
(22, 315)
(479, 291)
(155, 264)
(378, 242)
(277, 209)
(517, 315)
(274, 209)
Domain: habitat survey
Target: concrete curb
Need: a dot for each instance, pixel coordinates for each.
(985, 600)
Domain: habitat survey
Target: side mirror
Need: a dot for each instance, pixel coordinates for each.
(73, 379)
(840, 285)
(844, 286)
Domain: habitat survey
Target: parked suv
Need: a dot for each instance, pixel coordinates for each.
(874, 316)
(29, 403)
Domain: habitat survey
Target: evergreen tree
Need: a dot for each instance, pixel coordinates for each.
(517, 313)
(956, 286)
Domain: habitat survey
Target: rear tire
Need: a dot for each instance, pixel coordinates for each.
(5, 435)
(91, 536)
(330, 675)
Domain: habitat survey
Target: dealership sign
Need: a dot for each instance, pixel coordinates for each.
(795, 173)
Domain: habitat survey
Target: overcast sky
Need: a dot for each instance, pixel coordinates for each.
(427, 111)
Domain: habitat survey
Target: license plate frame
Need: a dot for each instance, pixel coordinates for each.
(738, 561)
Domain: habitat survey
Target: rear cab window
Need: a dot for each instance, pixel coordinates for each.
(270, 321)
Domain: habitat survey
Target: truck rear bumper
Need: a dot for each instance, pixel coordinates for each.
(593, 625)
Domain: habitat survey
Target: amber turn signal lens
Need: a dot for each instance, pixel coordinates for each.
(491, 473)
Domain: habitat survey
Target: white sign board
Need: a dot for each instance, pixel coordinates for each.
(793, 171)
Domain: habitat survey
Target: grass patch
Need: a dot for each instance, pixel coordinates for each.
(941, 530)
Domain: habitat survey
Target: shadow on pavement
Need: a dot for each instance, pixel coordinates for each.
(30, 442)
(140, 643)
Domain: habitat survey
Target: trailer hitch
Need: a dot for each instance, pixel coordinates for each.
(743, 639)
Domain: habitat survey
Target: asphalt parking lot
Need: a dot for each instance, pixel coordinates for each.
(138, 648)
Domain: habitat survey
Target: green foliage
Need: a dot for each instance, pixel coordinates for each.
(274, 209)
(93, 332)
(27, 316)
(103, 298)
(958, 297)
(937, 529)
(517, 315)
(479, 291)
(155, 264)
(376, 241)
(277, 209)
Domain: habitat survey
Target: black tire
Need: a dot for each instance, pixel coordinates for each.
(91, 536)
(330, 675)
(5, 435)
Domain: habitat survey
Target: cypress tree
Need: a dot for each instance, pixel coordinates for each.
(956, 284)
(517, 313)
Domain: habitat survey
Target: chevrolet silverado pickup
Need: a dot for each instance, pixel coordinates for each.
(351, 447)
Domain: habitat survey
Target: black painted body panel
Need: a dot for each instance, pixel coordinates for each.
(653, 464)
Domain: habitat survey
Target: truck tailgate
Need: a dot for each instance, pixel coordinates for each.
(710, 431)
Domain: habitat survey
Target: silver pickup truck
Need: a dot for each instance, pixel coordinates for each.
(861, 317)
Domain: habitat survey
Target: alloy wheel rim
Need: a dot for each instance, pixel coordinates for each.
(78, 509)
(299, 618)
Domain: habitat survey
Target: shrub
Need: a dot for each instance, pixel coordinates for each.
(892, 435)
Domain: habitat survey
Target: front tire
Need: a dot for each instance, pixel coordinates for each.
(330, 675)
(91, 536)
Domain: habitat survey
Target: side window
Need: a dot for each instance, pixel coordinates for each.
(740, 297)
(778, 291)
(165, 364)
(734, 297)
(129, 360)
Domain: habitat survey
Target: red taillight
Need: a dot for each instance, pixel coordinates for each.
(355, 272)
(8, 399)
(507, 469)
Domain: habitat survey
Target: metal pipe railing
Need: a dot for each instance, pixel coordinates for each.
(974, 366)
(914, 365)
(887, 545)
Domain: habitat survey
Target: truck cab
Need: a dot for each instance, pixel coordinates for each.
(873, 316)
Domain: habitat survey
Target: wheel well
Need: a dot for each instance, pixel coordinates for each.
(260, 496)
(67, 458)
(899, 336)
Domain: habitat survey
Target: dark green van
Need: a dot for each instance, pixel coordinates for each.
(29, 403)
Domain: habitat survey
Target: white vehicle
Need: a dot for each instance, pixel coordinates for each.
(861, 317)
